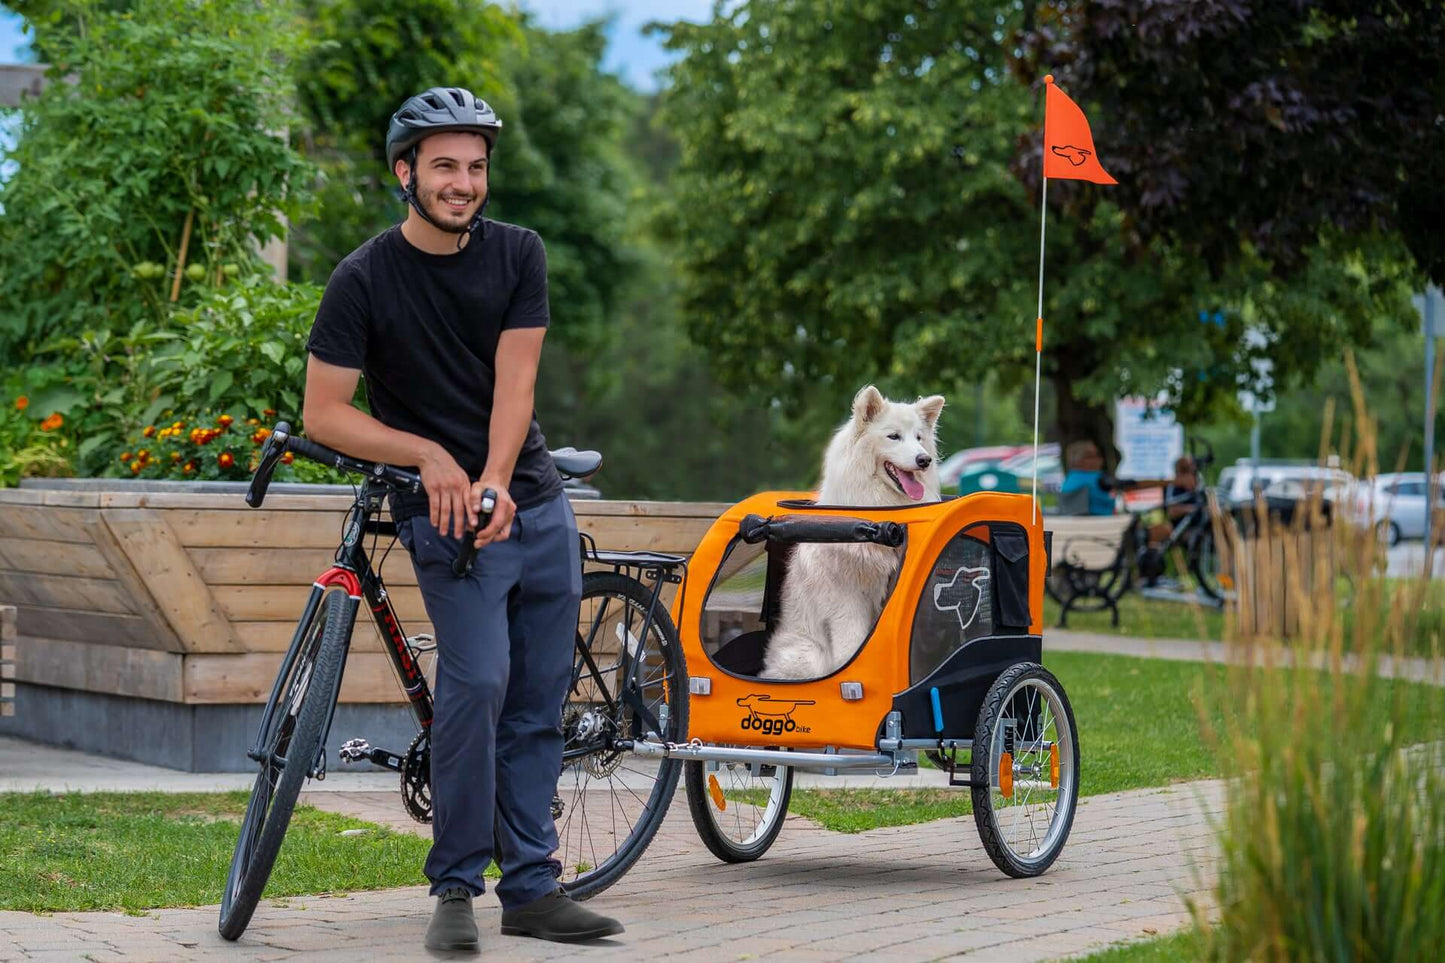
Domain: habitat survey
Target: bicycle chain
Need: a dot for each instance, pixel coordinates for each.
(416, 778)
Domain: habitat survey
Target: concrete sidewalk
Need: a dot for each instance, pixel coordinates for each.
(910, 893)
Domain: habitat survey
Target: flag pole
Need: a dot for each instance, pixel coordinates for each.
(1039, 317)
(1039, 341)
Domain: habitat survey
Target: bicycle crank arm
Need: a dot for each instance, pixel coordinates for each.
(359, 750)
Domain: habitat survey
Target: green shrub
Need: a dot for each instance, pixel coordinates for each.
(174, 116)
(1333, 840)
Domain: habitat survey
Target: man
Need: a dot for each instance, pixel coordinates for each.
(1181, 496)
(445, 315)
(1086, 489)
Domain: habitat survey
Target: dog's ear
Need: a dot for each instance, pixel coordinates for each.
(930, 408)
(867, 404)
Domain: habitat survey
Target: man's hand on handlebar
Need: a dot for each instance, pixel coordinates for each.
(499, 528)
(450, 494)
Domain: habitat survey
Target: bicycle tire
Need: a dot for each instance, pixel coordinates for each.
(1208, 581)
(994, 735)
(295, 735)
(662, 644)
(764, 829)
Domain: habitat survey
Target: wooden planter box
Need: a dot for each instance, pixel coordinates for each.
(180, 594)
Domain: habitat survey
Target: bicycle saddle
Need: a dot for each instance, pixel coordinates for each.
(576, 464)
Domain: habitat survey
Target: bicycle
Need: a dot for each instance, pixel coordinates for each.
(1193, 530)
(619, 693)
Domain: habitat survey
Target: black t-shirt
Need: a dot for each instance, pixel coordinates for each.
(423, 330)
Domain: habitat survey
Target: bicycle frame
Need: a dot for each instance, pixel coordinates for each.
(353, 573)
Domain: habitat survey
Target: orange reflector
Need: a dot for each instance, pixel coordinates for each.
(1006, 775)
(1226, 582)
(1054, 766)
(715, 791)
(1039, 335)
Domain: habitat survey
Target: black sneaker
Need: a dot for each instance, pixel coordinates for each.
(453, 924)
(556, 917)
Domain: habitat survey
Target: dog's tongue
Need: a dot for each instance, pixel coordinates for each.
(911, 486)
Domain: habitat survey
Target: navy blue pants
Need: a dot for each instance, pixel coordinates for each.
(504, 655)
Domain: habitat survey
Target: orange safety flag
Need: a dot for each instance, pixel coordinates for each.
(1068, 145)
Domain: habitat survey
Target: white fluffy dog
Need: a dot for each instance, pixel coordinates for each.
(885, 454)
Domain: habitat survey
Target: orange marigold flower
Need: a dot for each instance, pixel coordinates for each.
(259, 438)
(179, 425)
(189, 467)
(150, 431)
(22, 403)
(52, 422)
(253, 421)
(225, 421)
(287, 458)
(225, 460)
(143, 454)
(269, 412)
(175, 456)
(135, 466)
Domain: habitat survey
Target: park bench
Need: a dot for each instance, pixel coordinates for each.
(1090, 565)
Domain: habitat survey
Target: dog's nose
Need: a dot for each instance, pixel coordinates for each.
(924, 461)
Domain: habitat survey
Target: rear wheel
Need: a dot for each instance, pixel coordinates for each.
(738, 810)
(1204, 565)
(290, 748)
(629, 678)
(1025, 772)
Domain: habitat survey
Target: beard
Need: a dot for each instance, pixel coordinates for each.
(451, 219)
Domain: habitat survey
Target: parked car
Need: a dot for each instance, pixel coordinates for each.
(1282, 479)
(1051, 467)
(1395, 504)
(957, 463)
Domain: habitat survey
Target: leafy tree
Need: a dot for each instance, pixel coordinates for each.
(171, 119)
(1260, 120)
(370, 56)
(853, 202)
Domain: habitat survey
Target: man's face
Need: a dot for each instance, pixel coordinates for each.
(451, 172)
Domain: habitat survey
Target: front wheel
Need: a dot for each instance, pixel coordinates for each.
(1025, 772)
(289, 749)
(629, 678)
(738, 809)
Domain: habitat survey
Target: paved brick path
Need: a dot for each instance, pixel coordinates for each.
(909, 893)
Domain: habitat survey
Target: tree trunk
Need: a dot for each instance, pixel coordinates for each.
(1081, 420)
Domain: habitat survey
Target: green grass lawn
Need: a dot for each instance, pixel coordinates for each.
(137, 851)
(1145, 618)
(1137, 723)
(1159, 619)
(1139, 726)
(1178, 947)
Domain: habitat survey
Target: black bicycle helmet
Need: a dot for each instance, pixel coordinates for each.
(438, 111)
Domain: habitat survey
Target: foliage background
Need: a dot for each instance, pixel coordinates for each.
(823, 194)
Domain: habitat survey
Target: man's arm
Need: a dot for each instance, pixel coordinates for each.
(331, 419)
(518, 352)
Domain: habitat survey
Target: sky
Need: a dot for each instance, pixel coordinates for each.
(631, 55)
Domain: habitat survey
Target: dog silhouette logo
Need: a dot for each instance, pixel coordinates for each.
(963, 594)
(771, 716)
(1074, 155)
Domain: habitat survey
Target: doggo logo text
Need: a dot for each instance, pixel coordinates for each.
(770, 716)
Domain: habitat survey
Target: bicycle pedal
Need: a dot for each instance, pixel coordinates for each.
(355, 750)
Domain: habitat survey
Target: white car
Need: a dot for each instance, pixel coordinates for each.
(1294, 480)
(1395, 504)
